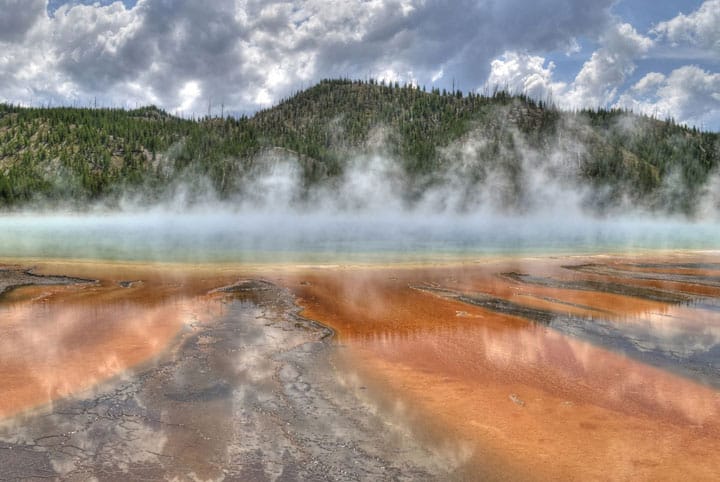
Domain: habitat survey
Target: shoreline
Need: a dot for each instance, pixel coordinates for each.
(14, 277)
(418, 260)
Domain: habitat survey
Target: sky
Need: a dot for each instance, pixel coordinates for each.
(658, 57)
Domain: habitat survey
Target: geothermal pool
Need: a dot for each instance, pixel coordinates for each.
(578, 368)
(374, 363)
(225, 236)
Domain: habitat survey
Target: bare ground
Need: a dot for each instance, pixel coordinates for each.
(251, 395)
(11, 278)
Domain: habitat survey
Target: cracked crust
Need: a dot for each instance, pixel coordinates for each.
(248, 395)
(11, 278)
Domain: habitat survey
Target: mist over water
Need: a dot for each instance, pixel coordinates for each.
(365, 215)
(224, 235)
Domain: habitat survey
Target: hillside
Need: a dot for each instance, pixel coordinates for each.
(469, 142)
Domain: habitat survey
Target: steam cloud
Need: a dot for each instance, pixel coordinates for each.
(373, 210)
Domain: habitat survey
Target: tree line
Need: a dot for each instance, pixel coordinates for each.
(82, 155)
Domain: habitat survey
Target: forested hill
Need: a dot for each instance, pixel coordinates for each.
(78, 156)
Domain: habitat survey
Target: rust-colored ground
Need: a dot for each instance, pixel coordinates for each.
(500, 392)
(57, 341)
(529, 400)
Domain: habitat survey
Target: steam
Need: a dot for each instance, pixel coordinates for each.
(521, 199)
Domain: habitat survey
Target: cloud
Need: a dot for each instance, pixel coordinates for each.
(689, 94)
(649, 82)
(250, 53)
(93, 39)
(700, 28)
(598, 81)
(596, 84)
(17, 17)
(524, 73)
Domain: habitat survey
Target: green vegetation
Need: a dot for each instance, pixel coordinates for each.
(84, 155)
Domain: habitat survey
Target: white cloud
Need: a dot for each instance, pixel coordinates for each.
(249, 53)
(596, 84)
(651, 81)
(437, 75)
(604, 73)
(524, 73)
(700, 28)
(188, 96)
(689, 94)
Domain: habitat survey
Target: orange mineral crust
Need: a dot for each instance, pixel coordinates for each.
(538, 402)
(58, 341)
(562, 368)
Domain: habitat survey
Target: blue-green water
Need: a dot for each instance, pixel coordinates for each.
(273, 237)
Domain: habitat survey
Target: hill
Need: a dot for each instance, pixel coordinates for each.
(470, 143)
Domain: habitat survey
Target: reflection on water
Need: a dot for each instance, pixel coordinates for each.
(57, 341)
(246, 393)
(53, 348)
(561, 368)
(573, 381)
(689, 346)
(541, 358)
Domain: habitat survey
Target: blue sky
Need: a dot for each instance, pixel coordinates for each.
(659, 57)
(643, 15)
